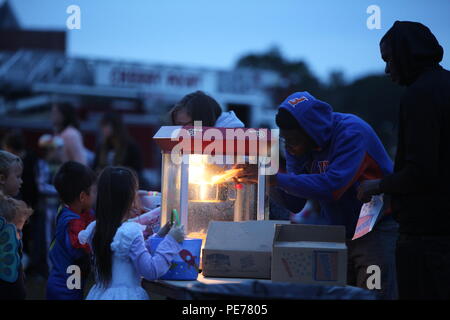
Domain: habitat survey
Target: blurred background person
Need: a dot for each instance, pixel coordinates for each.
(66, 125)
(48, 165)
(118, 148)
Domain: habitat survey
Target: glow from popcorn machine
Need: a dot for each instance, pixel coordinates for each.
(202, 190)
(198, 176)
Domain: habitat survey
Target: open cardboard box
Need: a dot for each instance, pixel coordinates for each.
(239, 249)
(309, 254)
(276, 250)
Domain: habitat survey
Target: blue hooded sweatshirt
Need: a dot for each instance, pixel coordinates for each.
(349, 152)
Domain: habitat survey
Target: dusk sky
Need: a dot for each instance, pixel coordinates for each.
(327, 34)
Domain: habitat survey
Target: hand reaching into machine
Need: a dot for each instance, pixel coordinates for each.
(248, 173)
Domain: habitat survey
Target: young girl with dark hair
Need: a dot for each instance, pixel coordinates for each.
(121, 255)
(198, 106)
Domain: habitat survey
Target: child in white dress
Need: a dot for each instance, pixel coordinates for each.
(121, 255)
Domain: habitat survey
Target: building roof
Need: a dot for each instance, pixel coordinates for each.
(8, 19)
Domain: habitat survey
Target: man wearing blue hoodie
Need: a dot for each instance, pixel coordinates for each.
(328, 154)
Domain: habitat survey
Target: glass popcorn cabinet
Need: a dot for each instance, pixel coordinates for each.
(199, 180)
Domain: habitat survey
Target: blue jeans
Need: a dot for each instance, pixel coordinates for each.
(375, 248)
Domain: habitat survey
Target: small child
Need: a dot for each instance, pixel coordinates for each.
(121, 254)
(16, 212)
(13, 215)
(75, 184)
(11, 168)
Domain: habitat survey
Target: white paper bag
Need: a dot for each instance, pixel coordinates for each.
(368, 216)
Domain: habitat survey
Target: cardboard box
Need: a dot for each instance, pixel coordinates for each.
(239, 249)
(309, 254)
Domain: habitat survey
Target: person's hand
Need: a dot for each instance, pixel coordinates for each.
(164, 230)
(137, 208)
(148, 232)
(248, 174)
(367, 189)
(177, 232)
(136, 211)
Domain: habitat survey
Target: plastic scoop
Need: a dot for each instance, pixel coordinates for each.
(177, 217)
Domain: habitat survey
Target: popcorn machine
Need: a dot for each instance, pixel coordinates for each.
(198, 175)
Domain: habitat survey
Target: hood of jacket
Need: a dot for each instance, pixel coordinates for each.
(414, 49)
(228, 120)
(313, 115)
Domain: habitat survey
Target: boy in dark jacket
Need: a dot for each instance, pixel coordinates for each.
(420, 184)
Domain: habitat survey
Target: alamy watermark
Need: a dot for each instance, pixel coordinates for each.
(374, 20)
(74, 280)
(260, 146)
(374, 280)
(74, 20)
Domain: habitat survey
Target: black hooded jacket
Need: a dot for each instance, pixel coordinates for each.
(420, 185)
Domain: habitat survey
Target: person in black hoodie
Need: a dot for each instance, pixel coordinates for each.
(420, 183)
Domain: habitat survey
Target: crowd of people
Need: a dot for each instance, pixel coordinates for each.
(81, 205)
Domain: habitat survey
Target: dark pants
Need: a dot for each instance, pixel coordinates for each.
(37, 246)
(375, 248)
(423, 267)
